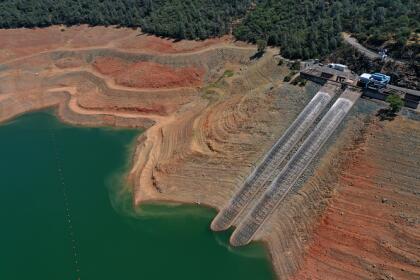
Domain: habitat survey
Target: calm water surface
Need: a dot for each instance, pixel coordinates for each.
(64, 214)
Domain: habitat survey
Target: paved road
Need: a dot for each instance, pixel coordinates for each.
(290, 174)
(354, 43)
(406, 90)
(368, 53)
(266, 170)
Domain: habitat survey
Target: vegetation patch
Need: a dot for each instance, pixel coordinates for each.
(298, 81)
(228, 73)
(289, 76)
(395, 104)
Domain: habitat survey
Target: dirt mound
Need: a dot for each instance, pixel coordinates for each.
(148, 74)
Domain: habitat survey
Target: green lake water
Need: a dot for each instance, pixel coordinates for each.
(65, 214)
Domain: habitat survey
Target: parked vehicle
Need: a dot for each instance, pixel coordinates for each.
(375, 80)
(339, 67)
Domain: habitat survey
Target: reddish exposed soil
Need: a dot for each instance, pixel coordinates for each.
(148, 74)
(371, 228)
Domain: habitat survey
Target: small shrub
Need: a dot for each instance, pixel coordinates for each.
(228, 73)
(395, 103)
(262, 45)
(289, 76)
(302, 83)
(295, 65)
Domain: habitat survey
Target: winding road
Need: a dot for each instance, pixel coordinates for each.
(368, 53)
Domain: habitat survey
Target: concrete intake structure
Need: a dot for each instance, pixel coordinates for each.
(266, 170)
(289, 175)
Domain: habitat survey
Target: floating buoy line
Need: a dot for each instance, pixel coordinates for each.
(68, 216)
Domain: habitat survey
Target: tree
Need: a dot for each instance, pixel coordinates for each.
(395, 103)
(262, 45)
(333, 43)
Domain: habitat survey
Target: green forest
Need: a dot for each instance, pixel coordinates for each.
(303, 29)
(310, 28)
(181, 19)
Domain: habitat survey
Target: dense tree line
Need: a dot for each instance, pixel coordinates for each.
(310, 28)
(37, 13)
(192, 19)
(303, 29)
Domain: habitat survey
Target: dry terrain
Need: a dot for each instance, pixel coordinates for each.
(356, 214)
(371, 228)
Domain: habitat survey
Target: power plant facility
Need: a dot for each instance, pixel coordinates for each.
(283, 166)
(372, 85)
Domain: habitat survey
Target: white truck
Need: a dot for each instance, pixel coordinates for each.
(339, 67)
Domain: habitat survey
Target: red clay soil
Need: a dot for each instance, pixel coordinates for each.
(148, 74)
(371, 229)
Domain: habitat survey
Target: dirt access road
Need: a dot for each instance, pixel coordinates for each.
(368, 53)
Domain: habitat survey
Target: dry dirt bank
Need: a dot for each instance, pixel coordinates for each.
(206, 131)
(18, 43)
(371, 227)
